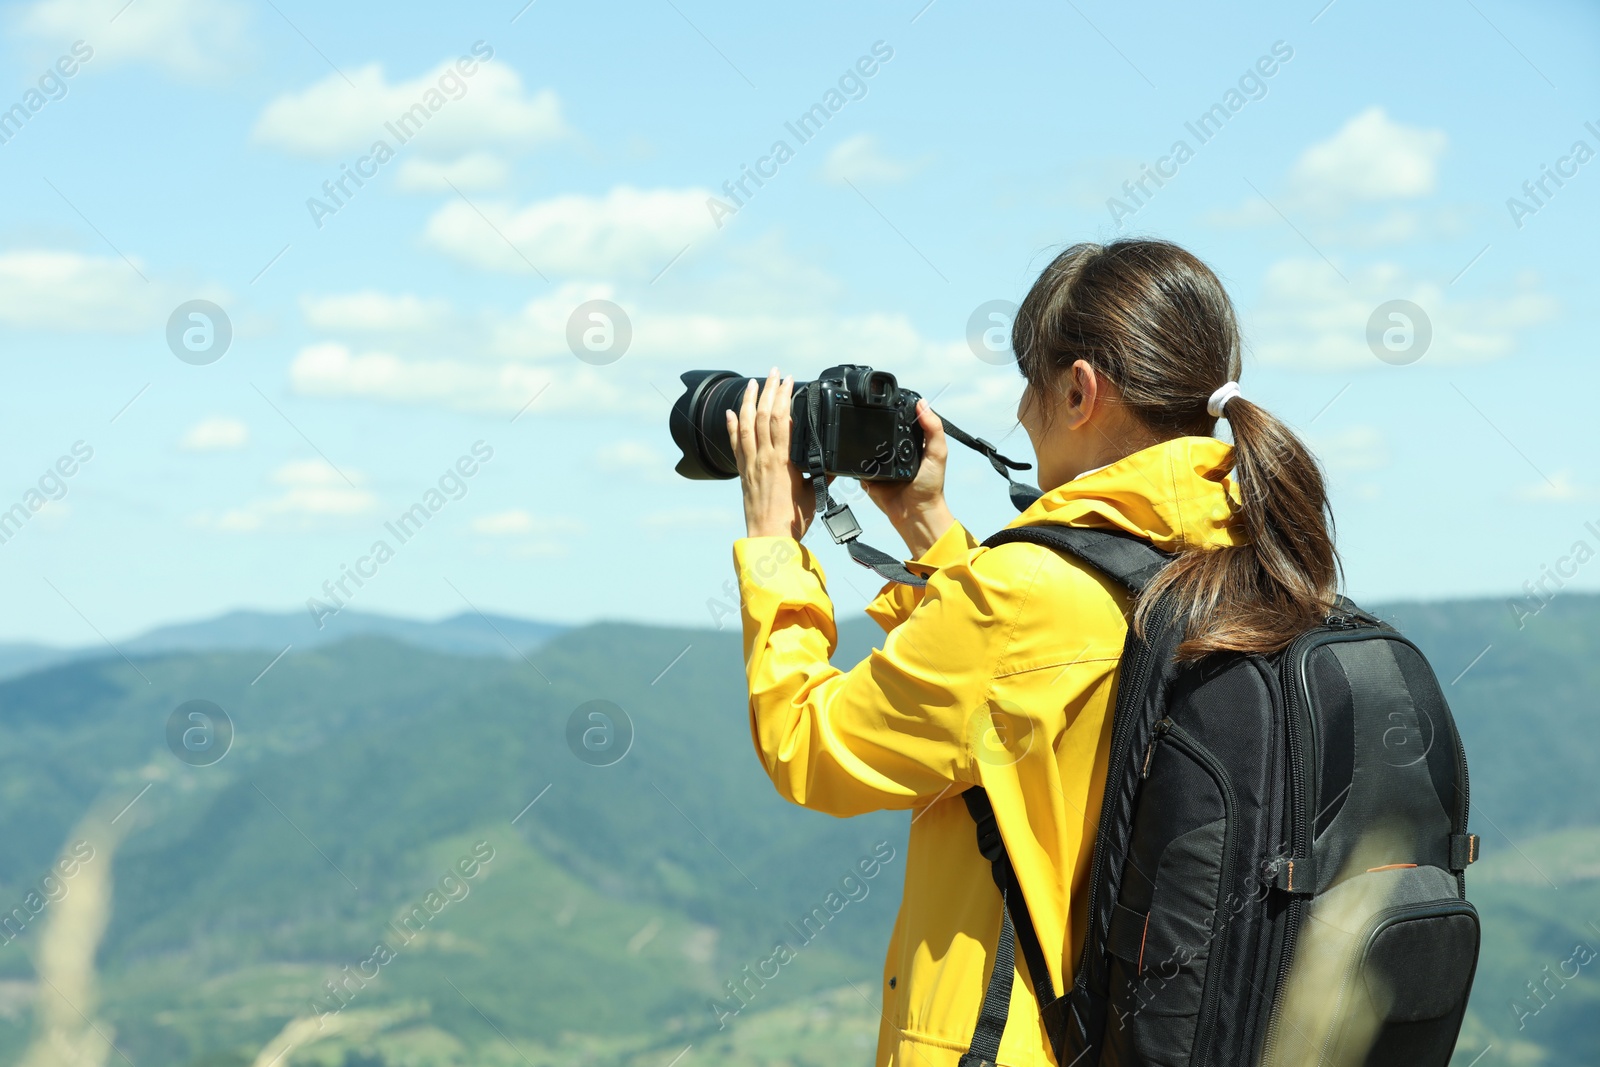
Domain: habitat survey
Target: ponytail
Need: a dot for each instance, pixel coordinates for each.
(1259, 596)
(1157, 322)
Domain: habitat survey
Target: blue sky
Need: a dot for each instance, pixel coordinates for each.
(373, 346)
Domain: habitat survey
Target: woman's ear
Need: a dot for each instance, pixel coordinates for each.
(1082, 395)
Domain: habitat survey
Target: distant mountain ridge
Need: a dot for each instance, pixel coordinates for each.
(505, 636)
(466, 634)
(625, 900)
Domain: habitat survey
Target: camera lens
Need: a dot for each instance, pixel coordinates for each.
(699, 427)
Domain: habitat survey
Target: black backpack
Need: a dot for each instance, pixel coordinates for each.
(1278, 872)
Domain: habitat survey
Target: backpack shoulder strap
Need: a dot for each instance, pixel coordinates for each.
(1016, 931)
(1132, 562)
(1121, 556)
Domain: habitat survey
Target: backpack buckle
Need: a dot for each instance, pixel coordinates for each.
(990, 844)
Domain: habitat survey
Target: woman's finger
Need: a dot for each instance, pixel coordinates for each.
(932, 428)
(781, 422)
(748, 415)
(747, 422)
(769, 391)
(733, 439)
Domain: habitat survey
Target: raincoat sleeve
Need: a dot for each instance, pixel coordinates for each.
(895, 601)
(896, 730)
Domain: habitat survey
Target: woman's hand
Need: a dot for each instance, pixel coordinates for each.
(916, 508)
(778, 501)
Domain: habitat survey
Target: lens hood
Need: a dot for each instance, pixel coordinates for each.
(687, 423)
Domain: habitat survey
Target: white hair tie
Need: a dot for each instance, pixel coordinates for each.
(1219, 399)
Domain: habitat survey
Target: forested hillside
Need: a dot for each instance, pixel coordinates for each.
(308, 897)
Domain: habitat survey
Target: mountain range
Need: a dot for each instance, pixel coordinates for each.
(467, 634)
(305, 898)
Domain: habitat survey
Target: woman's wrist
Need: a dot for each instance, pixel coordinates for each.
(773, 525)
(922, 528)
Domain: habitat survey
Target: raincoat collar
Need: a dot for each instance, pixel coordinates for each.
(1177, 494)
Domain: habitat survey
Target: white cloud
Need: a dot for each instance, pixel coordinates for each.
(370, 311)
(1560, 488)
(517, 522)
(239, 520)
(332, 369)
(539, 331)
(1393, 227)
(1309, 317)
(628, 456)
(635, 459)
(1345, 187)
(761, 274)
(308, 472)
(72, 293)
(690, 519)
(859, 159)
(523, 363)
(627, 231)
(190, 38)
(1371, 157)
(667, 338)
(216, 434)
(1252, 211)
(1364, 229)
(312, 487)
(528, 357)
(479, 170)
(458, 112)
(311, 491)
(521, 534)
(1355, 448)
(53, 514)
(1089, 181)
(527, 549)
(625, 455)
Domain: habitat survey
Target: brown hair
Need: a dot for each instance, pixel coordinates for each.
(1157, 322)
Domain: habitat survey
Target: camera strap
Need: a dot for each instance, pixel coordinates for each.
(1021, 495)
(841, 523)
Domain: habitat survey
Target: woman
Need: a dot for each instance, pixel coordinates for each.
(1001, 671)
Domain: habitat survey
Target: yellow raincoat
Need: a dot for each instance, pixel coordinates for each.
(1001, 672)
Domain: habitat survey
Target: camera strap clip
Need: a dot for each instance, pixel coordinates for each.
(845, 530)
(841, 523)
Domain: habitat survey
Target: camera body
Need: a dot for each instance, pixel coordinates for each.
(863, 422)
(866, 425)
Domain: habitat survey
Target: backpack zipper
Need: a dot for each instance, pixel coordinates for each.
(1297, 823)
(1465, 809)
(1150, 750)
(1132, 680)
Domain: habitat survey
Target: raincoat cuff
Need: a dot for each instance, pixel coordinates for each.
(951, 547)
(896, 601)
(775, 571)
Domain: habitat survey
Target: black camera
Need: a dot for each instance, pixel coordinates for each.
(854, 420)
